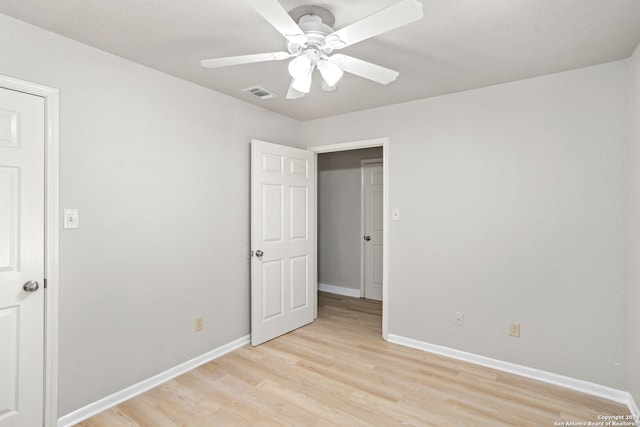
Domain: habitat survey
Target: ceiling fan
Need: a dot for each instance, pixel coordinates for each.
(311, 41)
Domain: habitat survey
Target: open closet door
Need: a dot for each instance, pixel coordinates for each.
(283, 262)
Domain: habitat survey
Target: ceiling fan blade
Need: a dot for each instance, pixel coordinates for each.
(272, 11)
(244, 59)
(292, 93)
(364, 69)
(394, 16)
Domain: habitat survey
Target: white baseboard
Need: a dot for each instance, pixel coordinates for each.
(339, 290)
(524, 371)
(103, 404)
(633, 408)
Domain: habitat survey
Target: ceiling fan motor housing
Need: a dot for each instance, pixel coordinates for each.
(316, 32)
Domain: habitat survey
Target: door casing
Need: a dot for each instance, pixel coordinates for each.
(51, 98)
(356, 145)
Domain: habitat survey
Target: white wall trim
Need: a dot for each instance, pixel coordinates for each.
(52, 147)
(353, 145)
(356, 145)
(524, 371)
(339, 290)
(105, 403)
(633, 408)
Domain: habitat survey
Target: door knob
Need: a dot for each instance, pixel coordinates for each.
(259, 253)
(31, 286)
(367, 238)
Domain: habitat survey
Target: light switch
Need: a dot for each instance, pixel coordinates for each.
(71, 218)
(395, 214)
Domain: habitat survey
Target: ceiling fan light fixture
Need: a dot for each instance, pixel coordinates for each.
(304, 64)
(331, 73)
(326, 88)
(302, 84)
(300, 67)
(311, 39)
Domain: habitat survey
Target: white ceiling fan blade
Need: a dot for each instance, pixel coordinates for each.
(292, 93)
(394, 16)
(244, 59)
(365, 69)
(276, 15)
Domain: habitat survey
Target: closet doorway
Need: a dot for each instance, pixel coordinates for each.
(352, 205)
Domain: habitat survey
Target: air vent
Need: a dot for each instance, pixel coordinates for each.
(260, 92)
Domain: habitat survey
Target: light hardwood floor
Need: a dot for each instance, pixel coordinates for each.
(339, 372)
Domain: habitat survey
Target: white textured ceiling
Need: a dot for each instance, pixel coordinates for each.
(459, 45)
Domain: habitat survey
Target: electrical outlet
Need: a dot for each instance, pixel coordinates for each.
(514, 329)
(198, 324)
(459, 319)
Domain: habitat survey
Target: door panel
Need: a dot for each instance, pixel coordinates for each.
(377, 266)
(8, 218)
(299, 285)
(8, 358)
(299, 213)
(273, 290)
(272, 163)
(9, 124)
(272, 215)
(300, 167)
(282, 206)
(21, 259)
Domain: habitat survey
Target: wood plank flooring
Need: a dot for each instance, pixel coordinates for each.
(339, 372)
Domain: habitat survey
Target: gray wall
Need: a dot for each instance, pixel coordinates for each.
(633, 255)
(159, 170)
(513, 208)
(513, 205)
(339, 239)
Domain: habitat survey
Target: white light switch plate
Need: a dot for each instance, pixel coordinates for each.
(395, 214)
(71, 219)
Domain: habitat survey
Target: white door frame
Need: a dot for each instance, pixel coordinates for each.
(51, 152)
(363, 163)
(356, 145)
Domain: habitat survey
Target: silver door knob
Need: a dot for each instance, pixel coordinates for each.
(367, 238)
(259, 253)
(31, 286)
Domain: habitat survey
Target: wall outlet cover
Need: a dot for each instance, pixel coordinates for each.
(514, 329)
(198, 324)
(71, 219)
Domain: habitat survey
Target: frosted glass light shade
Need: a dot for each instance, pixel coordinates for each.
(331, 73)
(300, 67)
(302, 84)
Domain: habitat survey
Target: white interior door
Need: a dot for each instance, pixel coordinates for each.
(372, 202)
(21, 259)
(283, 262)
